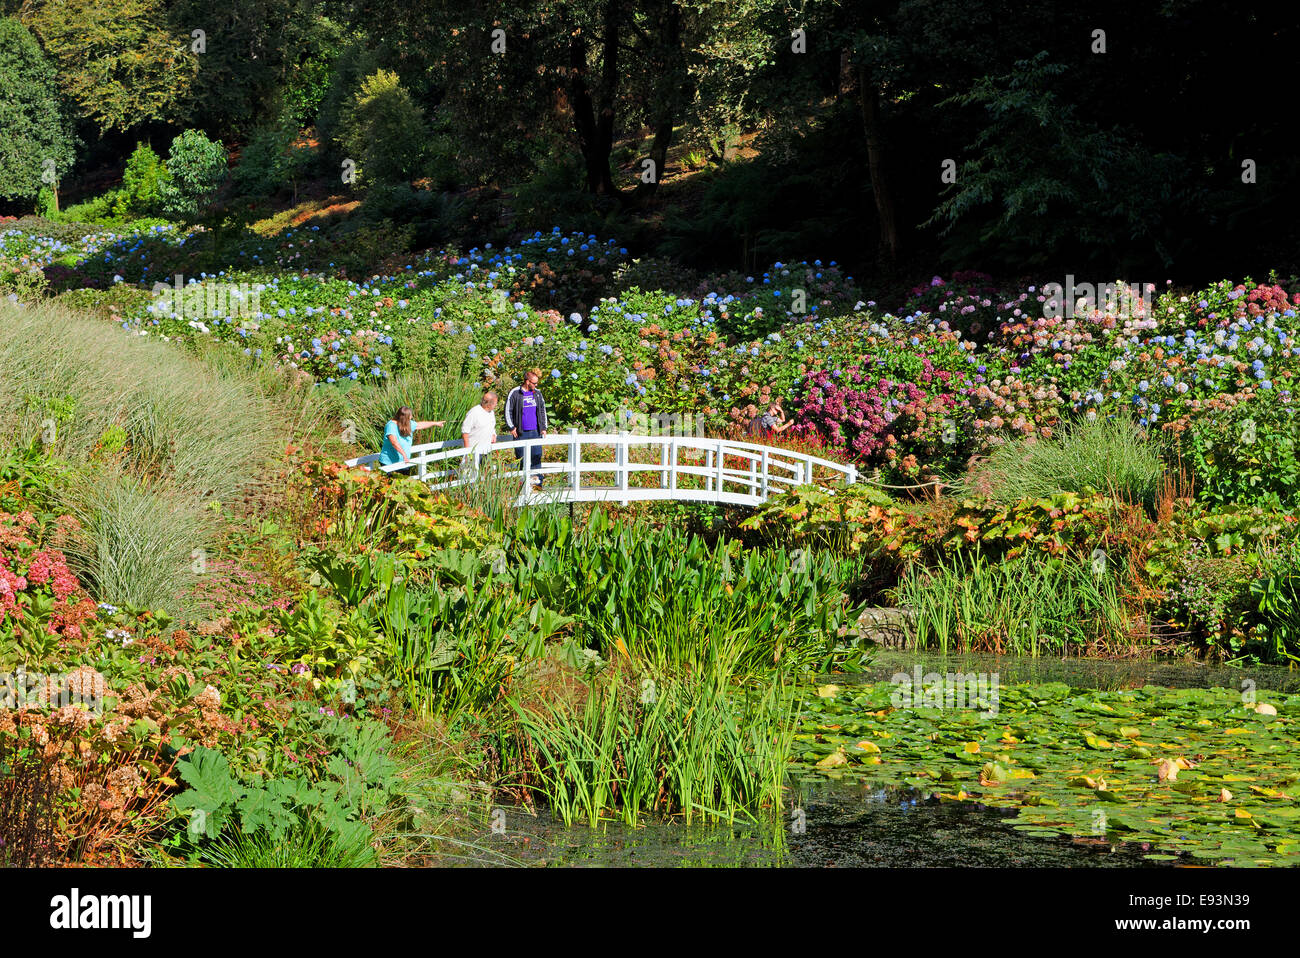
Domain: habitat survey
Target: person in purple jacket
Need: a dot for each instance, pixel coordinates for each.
(526, 419)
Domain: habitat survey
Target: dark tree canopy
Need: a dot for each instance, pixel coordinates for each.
(999, 134)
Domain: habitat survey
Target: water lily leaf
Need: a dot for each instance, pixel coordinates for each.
(834, 759)
(993, 774)
(827, 691)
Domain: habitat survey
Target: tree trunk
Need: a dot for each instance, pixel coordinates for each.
(594, 123)
(869, 96)
(584, 114)
(608, 94)
(670, 41)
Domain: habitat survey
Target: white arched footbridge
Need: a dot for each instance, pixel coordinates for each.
(626, 467)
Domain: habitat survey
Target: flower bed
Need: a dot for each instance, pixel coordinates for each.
(962, 366)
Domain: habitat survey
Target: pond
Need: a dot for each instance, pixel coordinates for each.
(1037, 806)
(843, 826)
(1084, 673)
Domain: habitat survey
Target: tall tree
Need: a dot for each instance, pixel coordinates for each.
(253, 49)
(37, 145)
(506, 78)
(118, 60)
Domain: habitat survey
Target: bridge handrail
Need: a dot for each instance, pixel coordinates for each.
(800, 466)
(453, 448)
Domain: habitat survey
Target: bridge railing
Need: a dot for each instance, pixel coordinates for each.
(605, 466)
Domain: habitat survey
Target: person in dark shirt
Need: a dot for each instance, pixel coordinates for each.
(526, 419)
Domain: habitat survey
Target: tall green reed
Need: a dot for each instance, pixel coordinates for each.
(697, 746)
(1025, 605)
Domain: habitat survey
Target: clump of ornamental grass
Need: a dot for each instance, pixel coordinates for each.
(308, 845)
(139, 546)
(157, 437)
(1115, 457)
(73, 381)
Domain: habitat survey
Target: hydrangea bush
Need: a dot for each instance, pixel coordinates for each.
(963, 365)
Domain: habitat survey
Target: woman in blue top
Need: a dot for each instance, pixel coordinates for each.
(398, 436)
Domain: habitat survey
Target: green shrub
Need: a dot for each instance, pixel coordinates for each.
(1249, 454)
(119, 299)
(143, 184)
(197, 168)
(654, 273)
(363, 248)
(1276, 598)
(270, 161)
(35, 124)
(100, 210)
(26, 284)
(46, 204)
(350, 68)
(384, 130)
(64, 229)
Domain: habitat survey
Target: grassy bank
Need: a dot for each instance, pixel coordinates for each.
(154, 439)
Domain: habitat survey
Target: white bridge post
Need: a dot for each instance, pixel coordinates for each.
(622, 465)
(575, 459)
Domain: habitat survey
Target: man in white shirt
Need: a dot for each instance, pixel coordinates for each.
(479, 430)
